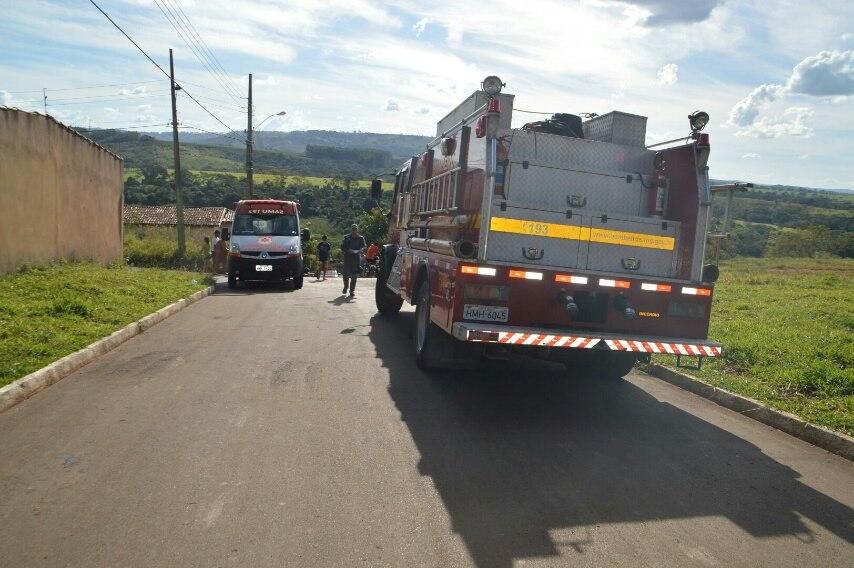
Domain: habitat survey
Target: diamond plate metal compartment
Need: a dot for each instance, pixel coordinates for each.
(560, 190)
(559, 173)
(617, 128)
(562, 152)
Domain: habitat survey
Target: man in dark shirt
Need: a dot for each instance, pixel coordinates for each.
(323, 248)
(352, 246)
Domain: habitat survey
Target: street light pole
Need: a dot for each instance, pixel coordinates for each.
(249, 181)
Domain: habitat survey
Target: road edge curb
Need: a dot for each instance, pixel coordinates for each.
(28, 385)
(834, 442)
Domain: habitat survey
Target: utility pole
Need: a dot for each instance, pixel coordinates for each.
(44, 94)
(249, 181)
(179, 197)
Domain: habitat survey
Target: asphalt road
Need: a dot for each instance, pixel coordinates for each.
(265, 427)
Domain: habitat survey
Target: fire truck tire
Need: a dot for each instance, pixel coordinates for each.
(388, 303)
(430, 341)
(298, 280)
(232, 280)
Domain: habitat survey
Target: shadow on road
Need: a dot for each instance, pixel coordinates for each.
(250, 288)
(520, 449)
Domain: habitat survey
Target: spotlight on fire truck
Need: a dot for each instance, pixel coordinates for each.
(491, 85)
(698, 120)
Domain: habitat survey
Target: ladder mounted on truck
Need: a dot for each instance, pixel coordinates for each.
(729, 190)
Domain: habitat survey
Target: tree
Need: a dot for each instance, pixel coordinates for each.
(374, 226)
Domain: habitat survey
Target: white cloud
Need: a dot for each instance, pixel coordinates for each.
(791, 123)
(271, 80)
(5, 98)
(846, 36)
(454, 34)
(667, 12)
(827, 74)
(112, 111)
(420, 26)
(143, 108)
(751, 156)
(423, 110)
(392, 105)
(147, 118)
(745, 111)
(669, 74)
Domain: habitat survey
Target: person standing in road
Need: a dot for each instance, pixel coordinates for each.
(217, 253)
(208, 252)
(352, 246)
(323, 249)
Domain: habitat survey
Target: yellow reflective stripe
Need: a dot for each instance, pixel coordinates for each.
(577, 233)
(539, 229)
(642, 240)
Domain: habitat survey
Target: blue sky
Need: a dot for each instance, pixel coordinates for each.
(777, 77)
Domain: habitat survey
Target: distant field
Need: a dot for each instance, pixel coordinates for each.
(262, 177)
(787, 326)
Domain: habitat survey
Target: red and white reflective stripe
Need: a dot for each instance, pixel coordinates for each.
(546, 340)
(659, 347)
(607, 282)
(527, 275)
(696, 291)
(570, 279)
(479, 270)
(650, 287)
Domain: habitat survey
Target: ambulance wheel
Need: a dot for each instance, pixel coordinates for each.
(298, 282)
(232, 280)
(388, 303)
(430, 341)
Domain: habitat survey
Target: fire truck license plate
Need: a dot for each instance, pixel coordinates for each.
(485, 313)
(264, 268)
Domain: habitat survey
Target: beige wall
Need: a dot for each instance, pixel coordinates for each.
(60, 195)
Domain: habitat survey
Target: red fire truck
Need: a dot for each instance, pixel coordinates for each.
(569, 239)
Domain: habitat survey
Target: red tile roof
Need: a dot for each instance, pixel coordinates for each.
(165, 215)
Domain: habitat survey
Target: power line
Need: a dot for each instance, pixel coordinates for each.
(96, 98)
(157, 65)
(119, 127)
(222, 106)
(131, 40)
(184, 34)
(207, 48)
(214, 133)
(49, 89)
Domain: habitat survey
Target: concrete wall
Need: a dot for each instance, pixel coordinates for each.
(60, 194)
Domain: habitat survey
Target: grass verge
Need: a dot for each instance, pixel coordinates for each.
(48, 312)
(787, 326)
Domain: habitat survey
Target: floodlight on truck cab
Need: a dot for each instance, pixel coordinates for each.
(698, 120)
(491, 85)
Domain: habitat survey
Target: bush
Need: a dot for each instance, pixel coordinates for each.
(157, 250)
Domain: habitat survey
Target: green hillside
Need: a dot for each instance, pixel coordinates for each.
(141, 151)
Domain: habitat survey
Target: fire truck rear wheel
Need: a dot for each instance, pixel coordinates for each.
(429, 339)
(232, 280)
(388, 303)
(298, 282)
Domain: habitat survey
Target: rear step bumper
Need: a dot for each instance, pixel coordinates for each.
(577, 339)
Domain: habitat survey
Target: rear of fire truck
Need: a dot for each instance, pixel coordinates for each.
(568, 239)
